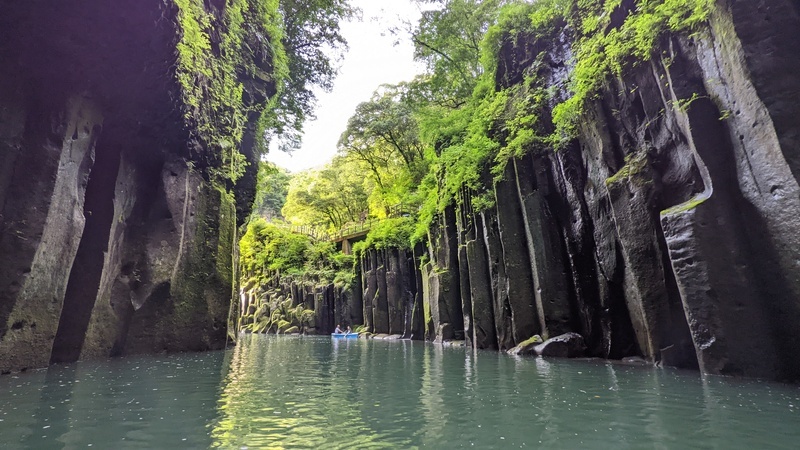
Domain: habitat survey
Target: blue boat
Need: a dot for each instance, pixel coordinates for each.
(345, 335)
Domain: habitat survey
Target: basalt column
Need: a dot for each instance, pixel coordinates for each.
(394, 290)
(484, 334)
(45, 171)
(380, 302)
(409, 273)
(418, 314)
(357, 295)
(517, 284)
(441, 298)
(466, 233)
(370, 285)
(501, 310)
(545, 250)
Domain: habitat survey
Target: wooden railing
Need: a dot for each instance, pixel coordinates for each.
(348, 229)
(312, 232)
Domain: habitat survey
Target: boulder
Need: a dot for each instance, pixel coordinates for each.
(527, 347)
(283, 325)
(567, 345)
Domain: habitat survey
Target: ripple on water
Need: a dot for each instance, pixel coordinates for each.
(287, 392)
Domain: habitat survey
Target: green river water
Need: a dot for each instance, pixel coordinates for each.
(314, 392)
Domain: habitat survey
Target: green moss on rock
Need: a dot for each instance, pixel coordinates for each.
(635, 166)
(693, 203)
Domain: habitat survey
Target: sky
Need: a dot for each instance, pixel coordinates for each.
(372, 60)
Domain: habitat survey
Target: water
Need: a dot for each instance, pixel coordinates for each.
(311, 392)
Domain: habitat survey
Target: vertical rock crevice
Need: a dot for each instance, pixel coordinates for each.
(87, 268)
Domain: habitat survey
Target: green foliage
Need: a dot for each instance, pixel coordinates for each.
(215, 53)
(425, 143)
(384, 129)
(253, 63)
(313, 45)
(635, 164)
(267, 250)
(448, 40)
(388, 233)
(499, 122)
(330, 197)
(272, 188)
(602, 50)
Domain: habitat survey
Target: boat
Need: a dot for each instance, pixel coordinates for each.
(344, 335)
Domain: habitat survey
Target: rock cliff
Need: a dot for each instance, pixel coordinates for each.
(667, 227)
(114, 237)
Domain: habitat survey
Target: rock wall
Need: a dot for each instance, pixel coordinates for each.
(669, 229)
(112, 239)
(288, 306)
(392, 302)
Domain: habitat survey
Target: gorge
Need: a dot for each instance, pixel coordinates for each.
(664, 226)
(646, 199)
(609, 180)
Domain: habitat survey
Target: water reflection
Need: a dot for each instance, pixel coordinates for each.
(139, 402)
(295, 392)
(306, 393)
(301, 392)
(53, 411)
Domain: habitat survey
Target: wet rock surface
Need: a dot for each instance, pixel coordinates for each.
(567, 345)
(667, 231)
(112, 239)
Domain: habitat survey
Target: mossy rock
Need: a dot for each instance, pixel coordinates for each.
(292, 330)
(689, 205)
(527, 346)
(260, 312)
(262, 326)
(247, 319)
(275, 316)
(284, 325)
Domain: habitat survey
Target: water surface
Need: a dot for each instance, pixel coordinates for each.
(312, 392)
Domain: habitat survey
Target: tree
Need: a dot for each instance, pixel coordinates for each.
(271, 190)
(448, 40)
(329, 197)
(313, 44)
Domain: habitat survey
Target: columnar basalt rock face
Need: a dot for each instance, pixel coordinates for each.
(112, 240)
(484, 334)
(667, 229)
(42, 223)
(390, 277)
(518, 281)
(380, 303)
(284, 305)
(442, 299)
(543, 238)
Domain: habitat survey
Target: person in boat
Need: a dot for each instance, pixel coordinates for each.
(348, 330)
(338, 330)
